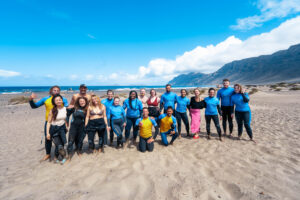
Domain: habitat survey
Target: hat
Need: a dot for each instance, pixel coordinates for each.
(82, 86)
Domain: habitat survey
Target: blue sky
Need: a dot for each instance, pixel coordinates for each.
(128, 42)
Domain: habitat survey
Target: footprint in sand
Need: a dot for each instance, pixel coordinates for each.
(233, 190)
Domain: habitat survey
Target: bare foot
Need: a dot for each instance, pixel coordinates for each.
(94, 151)
(220, 139)
(179, 136)
(208, 137)
(46, 157)
(253, 140)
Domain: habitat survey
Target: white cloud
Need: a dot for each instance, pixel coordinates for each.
(91, 36)
(270, 9)
(89, 77)
(212, 57)
(6, 73)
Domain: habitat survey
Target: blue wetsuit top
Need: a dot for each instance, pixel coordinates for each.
(136, 110)
(168, 99)
(116, 112)
(241, 102)
(182, 104)
(225, 95)
(212, 105)
(107, 103)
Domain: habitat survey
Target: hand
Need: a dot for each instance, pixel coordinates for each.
(108, 128)
(124, 124)
(48, 136)
(172, 133)
(243, 91)
(232, 116)
(221, 118)
(71, 106)
(32, 96)
(67, 128)
(141, 124)
(150, 140)
(152, 118)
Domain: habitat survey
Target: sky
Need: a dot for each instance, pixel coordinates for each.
(137, 42)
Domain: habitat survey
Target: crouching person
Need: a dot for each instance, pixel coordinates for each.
(168, 126)
(145, 126)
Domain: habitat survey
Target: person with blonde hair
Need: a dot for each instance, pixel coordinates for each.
(96, 121)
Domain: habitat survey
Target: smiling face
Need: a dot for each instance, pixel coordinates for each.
(82, 90)
(94, 101)
(58, 101)
(116, 101)
(211, 93)
(152, 93)
(82, 102)
(142, 92)
(183, 93)
(169, 112)
(237, 89)
(55, 91)
(145, 113)
(168, 88)
(132, 95)
(226, 84)
(197, 93)
(110, 95)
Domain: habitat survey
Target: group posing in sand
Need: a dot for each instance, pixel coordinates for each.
(90, 115)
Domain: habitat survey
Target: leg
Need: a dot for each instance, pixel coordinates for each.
(217, 124)
(178, 118)
(71, 139)
(174, 136)
(247, 124)
(81, 136)
(128, 127)
(47, 148)
(150, 146)
(239, 120)
(185, 120)
(230, 121)
(101, 134)
(164, 138)
(207, 119)
(156, 128)
(117, 127)
(91, 138)
(135, 129)
(60, 146)
(142, 144)
(224, 118)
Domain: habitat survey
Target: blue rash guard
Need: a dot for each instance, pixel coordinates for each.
(108, 103)
(182, 104)
(241, 102)
(116, 112)
(212, 104)
(136, 110)
(168, 99)
(225, 95)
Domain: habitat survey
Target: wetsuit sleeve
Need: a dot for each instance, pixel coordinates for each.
(38, 103)
(219, 94)
(125, 105)
(65, 101)
(189, 105)
(174, 123)
(108, 116)
(70, 111)
(153, 122)
(219, 110)
(161, 104)
(202, 104)
(124, 115)
(232, 109)
(141, 108)
(245, 97)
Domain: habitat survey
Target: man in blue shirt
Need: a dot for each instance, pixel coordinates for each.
(108, 102)
(224, 95)
(168, 99)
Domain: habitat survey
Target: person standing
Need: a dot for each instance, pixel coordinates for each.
(224, 94)
(168, 99)
(194, 110)
(181, 112)
(47, 101)
(153, 108)
(143, 98)
(108, 102)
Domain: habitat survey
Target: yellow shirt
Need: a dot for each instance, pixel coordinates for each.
(166, 123)
(146, 128)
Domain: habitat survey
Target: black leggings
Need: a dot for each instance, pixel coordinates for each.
(216, 122)
(226, 115)
(185, 120)
(76, 135)
(243, 118)
(96, 125)
(117, 127)
(58, 136)
(144, 145)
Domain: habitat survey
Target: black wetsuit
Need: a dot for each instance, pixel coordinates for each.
(99, 126)
(58, 136)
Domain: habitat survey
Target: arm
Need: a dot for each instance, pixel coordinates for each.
(219, 94)
(65, 101)
(161, 104)
(34, 105)
(174, 124)
(48, 125)
(87, 117)
(73, 100)
(202, 104)
(219, 110)
(245, 97)
(104, 116)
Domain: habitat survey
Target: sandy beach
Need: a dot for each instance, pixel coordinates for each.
(189, 169)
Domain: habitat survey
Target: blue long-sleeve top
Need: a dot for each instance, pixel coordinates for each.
(212, 105)
(240, 101)
(136, 109)
(107, 103)
(182, 104)
(168, 99)
(224, 95)
(116, 112)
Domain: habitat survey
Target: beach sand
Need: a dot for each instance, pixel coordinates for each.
(189, 169)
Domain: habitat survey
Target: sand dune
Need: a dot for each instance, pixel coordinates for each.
(190, 169)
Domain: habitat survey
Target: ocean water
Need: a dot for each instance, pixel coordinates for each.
(25, 89)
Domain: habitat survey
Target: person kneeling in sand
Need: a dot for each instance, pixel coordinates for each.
(168, 126)
(145, 125)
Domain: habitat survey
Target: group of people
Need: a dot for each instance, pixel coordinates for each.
(90, 115)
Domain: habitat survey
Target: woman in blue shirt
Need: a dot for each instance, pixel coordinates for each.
(181, 109)
(240, 102)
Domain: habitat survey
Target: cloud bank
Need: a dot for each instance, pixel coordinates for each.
(6, 73)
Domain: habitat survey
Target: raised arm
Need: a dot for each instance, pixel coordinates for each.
(245, 97)
(37, 104)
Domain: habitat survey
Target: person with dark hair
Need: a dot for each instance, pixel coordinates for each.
(82, 93)
(181, 112)
(133, 107)
(168, 126)
(240, 100)
(47, 101)
(167, 99)
(96, 122)
(108, 102)
(145, 126)
(194, 109)
(143, 97)
(153, 107)
(117, 117)
(224, 95)
(77, 127)
(212, 108)
(56, 127)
